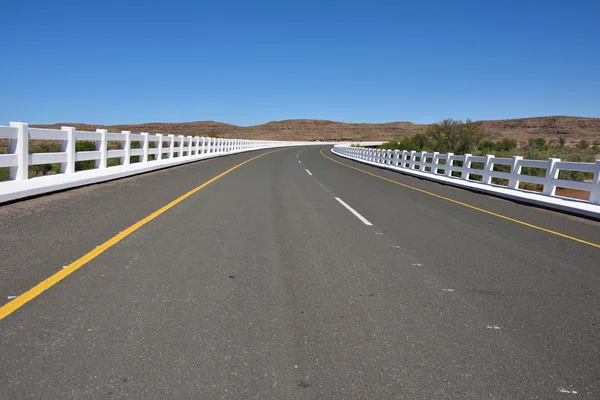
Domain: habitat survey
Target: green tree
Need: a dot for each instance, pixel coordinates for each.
(421, 141)
(454, 136)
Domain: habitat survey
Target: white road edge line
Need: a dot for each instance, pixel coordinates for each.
(353, 211)
(308, 172)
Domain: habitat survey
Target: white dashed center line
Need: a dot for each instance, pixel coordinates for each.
(353, 211)
(563, 390)
(308, 171)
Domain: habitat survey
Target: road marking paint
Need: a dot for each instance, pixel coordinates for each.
(468, 205)
(417, 265)
(563, 390)
(396, 247)
(353, 211)
(308, 172)
(11, 297)
(493, 327)
(378, 233)
(299, 162)
(448, 290)
(46, 284)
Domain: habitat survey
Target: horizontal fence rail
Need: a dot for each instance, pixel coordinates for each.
(500, 176)
(114, 155)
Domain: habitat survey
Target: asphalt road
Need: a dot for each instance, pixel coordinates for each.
(263, 285)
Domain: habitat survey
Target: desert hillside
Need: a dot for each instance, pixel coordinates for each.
(574, 129)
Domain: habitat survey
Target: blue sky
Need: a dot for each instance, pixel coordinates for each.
(249, 62)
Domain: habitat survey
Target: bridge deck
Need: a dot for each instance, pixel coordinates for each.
(263, 285)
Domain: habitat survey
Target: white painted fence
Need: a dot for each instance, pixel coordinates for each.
(444, 168)
(166, 151)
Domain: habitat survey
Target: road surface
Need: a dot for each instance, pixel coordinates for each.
(295, 276)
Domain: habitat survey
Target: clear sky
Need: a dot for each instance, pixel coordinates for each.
(249, 62)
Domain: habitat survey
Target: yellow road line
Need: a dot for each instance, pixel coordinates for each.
(467, 205)
(35, 291)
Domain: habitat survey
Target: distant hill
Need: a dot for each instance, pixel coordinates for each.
(573, 128)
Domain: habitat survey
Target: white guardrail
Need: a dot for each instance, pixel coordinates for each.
(440, 167)
(156, 151)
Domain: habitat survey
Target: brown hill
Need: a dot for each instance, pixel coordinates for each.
(574, 129)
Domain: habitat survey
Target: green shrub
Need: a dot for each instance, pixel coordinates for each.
(583, 144)
(486, 147)
(506, 145)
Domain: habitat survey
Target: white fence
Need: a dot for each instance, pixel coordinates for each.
(458, 170)
(155, 151)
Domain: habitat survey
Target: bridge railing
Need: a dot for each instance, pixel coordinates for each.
(152, 147)
(111, 154)
(481, 172)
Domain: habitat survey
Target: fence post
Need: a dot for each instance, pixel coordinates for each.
(551, 174)
(422, 161)
(191, 145)
(449, 163)
(68, 146)
(126, 145)
(102, 146)
(202, 145)
(488, 166)
(159, 146)
(595, 192)
(434, 161)
(181, 147)
(411, 160)
(403, 156)
(172, 146)
(145, 148)
(515, 171)
(464, 174)
(20, 147)
(396, 157)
